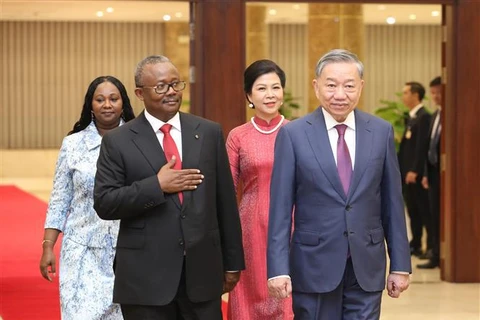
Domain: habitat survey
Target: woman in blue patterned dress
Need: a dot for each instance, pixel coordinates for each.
(88, 245)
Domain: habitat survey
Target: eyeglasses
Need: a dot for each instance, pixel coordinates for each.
(162, 88)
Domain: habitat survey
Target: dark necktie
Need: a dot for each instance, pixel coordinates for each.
(170, 150)
(344, 162)
(434, 141)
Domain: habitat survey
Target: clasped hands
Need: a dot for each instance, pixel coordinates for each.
(173, 181)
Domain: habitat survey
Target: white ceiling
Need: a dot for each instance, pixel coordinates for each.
(153, 11)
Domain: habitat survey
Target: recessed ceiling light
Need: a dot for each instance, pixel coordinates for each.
(412, 17)
(109, 9)
(272, 12)
(167, 17)
(382, 7)
(178, 14)
(99, 13)
(435, 13)
(296, 6)
(391, 20)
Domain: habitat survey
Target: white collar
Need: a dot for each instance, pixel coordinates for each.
(330, 122)
(157, 123)
(413, 112)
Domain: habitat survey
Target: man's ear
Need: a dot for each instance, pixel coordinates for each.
(139, 93)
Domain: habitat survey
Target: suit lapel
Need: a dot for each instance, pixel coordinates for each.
(147, 142)
(363, 146)
(192, 140)
(320, 143)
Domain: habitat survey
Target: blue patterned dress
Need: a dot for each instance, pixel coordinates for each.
(88, 246)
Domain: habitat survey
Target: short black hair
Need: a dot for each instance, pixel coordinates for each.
(436, 82)
(418, 88)
(259, 68)
(86, 115)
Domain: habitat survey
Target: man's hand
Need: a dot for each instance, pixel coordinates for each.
(280, 287)
(172, 181)
(425, 182)
(230, 281)
(397, 283)
(411, 177)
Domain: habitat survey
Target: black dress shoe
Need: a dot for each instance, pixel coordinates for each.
(415, 252)
(431, 264)
(426, 256)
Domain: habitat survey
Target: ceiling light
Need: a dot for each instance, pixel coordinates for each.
(382, 7)
(167, 17)
(109, 9)
(99, 13)
(412, 17)
(391, 20)
(272, 12)
(435, 13)
(178, 15)
(296, 6)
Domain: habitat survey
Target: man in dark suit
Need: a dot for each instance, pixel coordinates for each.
(412, 155)
(166, 176)
(336, 168)
(431, 181)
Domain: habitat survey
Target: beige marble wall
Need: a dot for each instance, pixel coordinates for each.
(177, 49)
(332, 26)
(256, 38)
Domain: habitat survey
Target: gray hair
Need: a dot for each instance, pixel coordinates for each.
(141, 65)
(338, 56)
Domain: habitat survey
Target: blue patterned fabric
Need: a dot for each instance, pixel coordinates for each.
(88, 246)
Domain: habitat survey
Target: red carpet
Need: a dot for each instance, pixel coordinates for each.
(24, 294)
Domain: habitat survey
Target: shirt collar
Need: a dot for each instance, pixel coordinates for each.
(92, 138)
(330, 122)
(413, 112)
(157, 123)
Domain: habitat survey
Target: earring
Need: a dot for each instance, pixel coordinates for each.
(93, 116)
(251, 106)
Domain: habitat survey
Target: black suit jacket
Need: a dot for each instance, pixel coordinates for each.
(413, 150)
(156, 231)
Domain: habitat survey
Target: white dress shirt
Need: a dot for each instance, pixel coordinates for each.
(175, 132)
(330, 123)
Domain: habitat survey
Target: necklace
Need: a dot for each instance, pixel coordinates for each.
(269, 131)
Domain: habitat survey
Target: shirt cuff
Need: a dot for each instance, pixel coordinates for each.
(400, 272)
(282, 276)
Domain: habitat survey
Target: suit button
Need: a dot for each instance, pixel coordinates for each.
(345, 233)
(180, 242)
(348, 207)
(183, 216)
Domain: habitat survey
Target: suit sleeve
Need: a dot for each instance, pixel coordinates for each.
(393, 214)
(113, 199)
(227, 211)
(422, 143)
(233, 157)
(282, 196)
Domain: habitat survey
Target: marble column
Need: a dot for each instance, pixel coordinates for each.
(256, 38)
(332, 26)
(176, 48)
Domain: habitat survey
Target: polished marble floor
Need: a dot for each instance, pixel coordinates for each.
(428, 298)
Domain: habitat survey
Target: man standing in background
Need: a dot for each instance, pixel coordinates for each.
(412, 155)
(432, 179)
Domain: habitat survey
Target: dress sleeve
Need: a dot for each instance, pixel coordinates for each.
(62, 192)
(233, 150)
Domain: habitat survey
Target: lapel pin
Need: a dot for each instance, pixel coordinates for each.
(196, 136)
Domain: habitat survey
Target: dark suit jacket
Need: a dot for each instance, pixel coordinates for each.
(413, 151)
(328, 221)
(155, 228)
